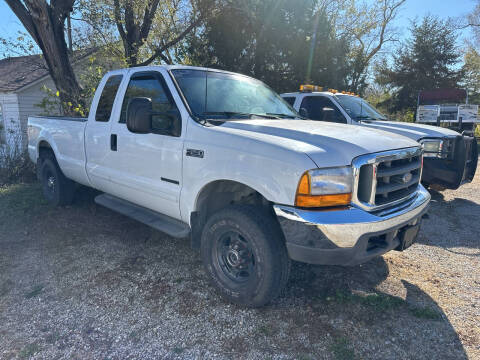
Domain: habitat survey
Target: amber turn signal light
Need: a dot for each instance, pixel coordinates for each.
(323, 200)
(304, 198)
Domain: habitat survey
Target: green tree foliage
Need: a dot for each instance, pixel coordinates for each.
(368, 28)
(270, 40)
(428, 60)
(471, 70)
(141, 32)
(471, 67)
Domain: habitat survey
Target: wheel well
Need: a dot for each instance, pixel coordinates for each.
(218, 195)
(44, 151)
(44, 148)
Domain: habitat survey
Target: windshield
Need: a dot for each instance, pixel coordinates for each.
(217, 95)
(359, 109)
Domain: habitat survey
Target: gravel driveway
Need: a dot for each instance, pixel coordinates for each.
(85, 283)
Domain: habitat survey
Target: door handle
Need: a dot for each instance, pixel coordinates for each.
(113, 142)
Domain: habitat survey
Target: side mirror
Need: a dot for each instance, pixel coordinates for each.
(303, 112)
(139, 115)
(328, 114)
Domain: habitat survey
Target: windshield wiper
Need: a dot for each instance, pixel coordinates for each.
(232, 115)
(283, 116)
(228, 114)
(364, 118)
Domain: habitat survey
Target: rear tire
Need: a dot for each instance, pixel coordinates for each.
(243, 251)
(57, 189)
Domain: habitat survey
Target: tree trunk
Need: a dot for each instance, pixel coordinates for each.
(46, 24)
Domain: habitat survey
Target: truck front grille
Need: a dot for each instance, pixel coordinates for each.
(387, 178)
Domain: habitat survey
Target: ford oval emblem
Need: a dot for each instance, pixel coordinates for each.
(407, 177)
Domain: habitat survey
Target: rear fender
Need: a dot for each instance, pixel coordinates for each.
(46, 138)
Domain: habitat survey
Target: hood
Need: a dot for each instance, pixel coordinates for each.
(411, 130)
(327, 144)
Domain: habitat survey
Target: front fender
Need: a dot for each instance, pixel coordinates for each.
(275, 180)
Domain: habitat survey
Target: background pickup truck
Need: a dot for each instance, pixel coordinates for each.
(450, 159)
(223, 159)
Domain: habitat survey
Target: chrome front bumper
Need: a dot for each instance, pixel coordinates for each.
(348, 236)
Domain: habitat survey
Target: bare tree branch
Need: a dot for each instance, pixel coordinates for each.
(171, 43)
(100, 32)
(150, 11)
(118, 19)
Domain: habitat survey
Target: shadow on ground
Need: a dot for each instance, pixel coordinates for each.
(452, 224)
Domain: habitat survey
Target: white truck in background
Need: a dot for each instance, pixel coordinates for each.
(221, 158)
(450, 158)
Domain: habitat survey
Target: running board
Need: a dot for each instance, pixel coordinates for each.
(164, 223)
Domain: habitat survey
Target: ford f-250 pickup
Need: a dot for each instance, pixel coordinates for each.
(450, 159)
(221, 158)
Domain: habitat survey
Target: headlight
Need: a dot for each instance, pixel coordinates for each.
(432, 147)
(325, 187)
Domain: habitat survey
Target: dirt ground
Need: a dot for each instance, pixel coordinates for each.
(85, 283)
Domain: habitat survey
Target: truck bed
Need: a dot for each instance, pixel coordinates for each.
(67, 135)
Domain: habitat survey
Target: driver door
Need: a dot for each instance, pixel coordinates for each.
(147, 168)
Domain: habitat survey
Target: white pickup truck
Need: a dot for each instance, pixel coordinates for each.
(450, 159)
(221, 158)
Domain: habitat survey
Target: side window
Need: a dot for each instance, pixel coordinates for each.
(323, 109)
(105, 104)
(290, 100)
(150, 86)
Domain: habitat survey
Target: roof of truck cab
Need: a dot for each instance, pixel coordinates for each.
(187, 67)
(310, 93)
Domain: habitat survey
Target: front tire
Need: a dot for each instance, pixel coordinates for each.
(57, 189)
(243, 252)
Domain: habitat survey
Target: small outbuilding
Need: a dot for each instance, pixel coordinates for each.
(22, 80)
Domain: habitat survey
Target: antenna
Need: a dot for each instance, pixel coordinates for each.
(206, 91)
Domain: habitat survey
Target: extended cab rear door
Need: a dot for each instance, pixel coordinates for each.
(146, 169)
(97, 132)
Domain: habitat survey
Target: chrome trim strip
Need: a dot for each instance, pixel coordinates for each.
(375, 159)
(373, 190)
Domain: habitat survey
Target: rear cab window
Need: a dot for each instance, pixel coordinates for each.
(105, 104)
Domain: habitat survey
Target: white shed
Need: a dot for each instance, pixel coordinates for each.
(21, 82)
